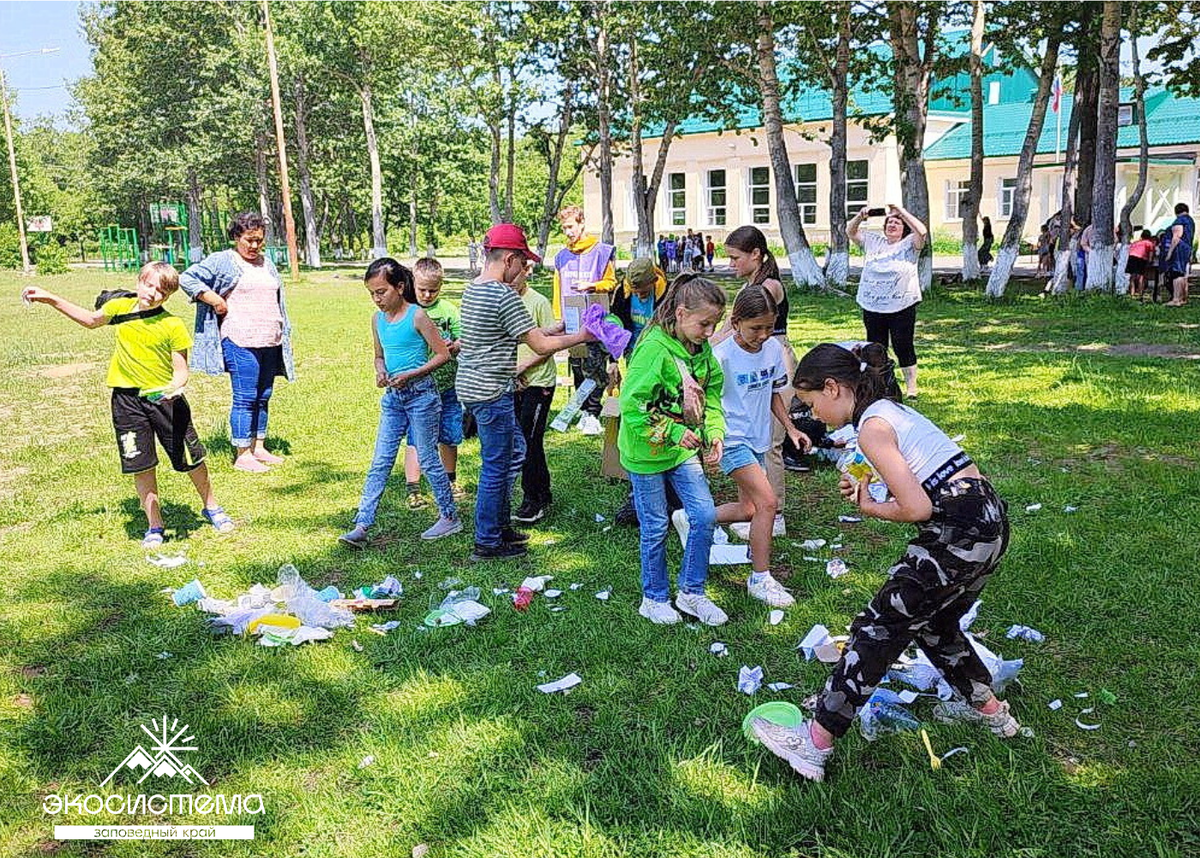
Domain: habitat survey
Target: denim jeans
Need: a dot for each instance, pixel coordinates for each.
(1080, 270)
(650, 500)
(252, 374)
(416, 406)
(501, 453)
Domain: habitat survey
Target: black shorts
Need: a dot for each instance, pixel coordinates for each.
(1135, 265)
(138, 421)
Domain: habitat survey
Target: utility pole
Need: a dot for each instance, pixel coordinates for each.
(12, 158)
(280, 144)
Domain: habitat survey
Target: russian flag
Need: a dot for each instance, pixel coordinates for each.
(1056, 91)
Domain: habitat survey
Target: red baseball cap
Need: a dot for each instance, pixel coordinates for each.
(508, 236)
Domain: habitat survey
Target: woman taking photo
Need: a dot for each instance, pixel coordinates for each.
(242, 328)
(890, 287)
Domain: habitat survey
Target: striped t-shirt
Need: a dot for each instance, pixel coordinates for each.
(492, 318)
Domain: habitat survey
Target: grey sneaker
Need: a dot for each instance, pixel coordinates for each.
(702, 608)
(770, 591)
(356, 538)
(659, 613)
(1000, 722)
(443, 527)
(793, 745)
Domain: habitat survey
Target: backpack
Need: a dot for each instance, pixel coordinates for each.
(110, 294)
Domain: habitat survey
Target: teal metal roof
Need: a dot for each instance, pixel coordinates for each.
(1170, 120)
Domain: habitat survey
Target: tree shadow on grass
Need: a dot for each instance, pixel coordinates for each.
(218, 444)
(179, 519)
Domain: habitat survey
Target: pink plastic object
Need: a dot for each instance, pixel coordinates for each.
(522, 599)
(610, 334)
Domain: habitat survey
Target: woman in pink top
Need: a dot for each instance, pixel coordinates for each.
(241, 312)
(1140, 252)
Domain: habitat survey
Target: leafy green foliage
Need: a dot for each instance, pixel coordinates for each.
(51, 258)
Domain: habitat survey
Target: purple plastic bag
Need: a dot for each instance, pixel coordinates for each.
(610, 334)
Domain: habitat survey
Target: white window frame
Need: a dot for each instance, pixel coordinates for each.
(955, 190)
(711, 209)
(808, 209)
(1126, 114)
(852, 205)
(760, 213)
(673, 210)
(1005, 193)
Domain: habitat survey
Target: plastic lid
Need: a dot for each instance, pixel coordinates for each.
(777, 712)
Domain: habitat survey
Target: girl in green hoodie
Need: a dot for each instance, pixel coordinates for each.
(670, 414)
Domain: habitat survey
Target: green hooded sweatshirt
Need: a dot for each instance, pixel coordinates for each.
(652, 412)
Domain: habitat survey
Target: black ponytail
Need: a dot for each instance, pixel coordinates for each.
(396, 274)
(866, 370)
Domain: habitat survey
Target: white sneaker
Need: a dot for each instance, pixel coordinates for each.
(770, 591)
(794, 745)
(702, 608)
(660, 613)
(779, 527)
(589, 424)
(682, 525)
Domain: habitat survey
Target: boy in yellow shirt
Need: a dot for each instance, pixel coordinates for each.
(147, 374)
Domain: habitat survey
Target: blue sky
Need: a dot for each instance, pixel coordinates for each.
(28, 26)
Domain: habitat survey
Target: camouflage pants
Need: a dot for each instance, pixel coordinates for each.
(927, 592)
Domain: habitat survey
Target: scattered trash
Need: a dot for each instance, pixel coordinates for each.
(1106, 697)
(775, 617)
(555, 609)
(384, 628)
(600, 519)
(1027, 732)
(957, 438)
(449, 583)
(164, 655)
(553, 594)
(499, 591)
(1033, 507)
(816, 636)
(329, 594)
(813, 544)
(238, 619)
(278, 621)
(420, 850)
(192, 591)
(603, 595)
(272, 636)
(749, 679)
(968, 619)
(935, 762)
(836, 568)
(780, 686)
(131, 678)
(366, 761)
(728, 555)
(718, 649)
(849, 519)
(565, 684)
(535, 584)
(775, 712)
(417, 575)
(1055, 704)
(575, 586)
(459, 606)
(1069, 508)
(1081, 695)
(356, 646)
(1082, 726)
(522, 598)
(163, 561)
(363, 604)
(883, 713)
(1025, 633)
(390, 588)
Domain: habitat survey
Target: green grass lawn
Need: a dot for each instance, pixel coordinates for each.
(646, 757)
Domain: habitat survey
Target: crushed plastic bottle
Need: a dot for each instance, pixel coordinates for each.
(522, 598)
(883, 714)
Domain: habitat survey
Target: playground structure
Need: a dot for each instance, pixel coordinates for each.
(168, 239)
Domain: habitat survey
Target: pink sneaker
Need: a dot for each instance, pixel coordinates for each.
(247, 462)
(267, 458)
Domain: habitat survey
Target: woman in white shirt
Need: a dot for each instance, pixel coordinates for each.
(890, 287)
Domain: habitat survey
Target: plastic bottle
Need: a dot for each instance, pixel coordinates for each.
(567, 416)
(883, 714)
(311, 611)
(855, 465)
(522, 598)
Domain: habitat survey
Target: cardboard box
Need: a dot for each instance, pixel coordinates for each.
(610, 459)
(573, 307)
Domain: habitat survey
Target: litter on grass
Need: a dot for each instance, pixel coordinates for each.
(780, 686)
(555, 609)
(366, 761)
(836, 568)
(813, 544)
(553, 594)
(536, 583)
(1033, 507)
(600, 519)
(384, 628)
(1025, 633)
(749, 679)
(1055, 704)
(603, 595)
(849, 519)
(718, 649)
(564, 685)
(575, 586)
(1069, 508)
(192, 591)
(164, 561)
(775, 617)
(449, 583)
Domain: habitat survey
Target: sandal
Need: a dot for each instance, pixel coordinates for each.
(219, 519)
(153, 538)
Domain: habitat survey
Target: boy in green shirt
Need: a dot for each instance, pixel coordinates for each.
(536, 379)
(147, 374)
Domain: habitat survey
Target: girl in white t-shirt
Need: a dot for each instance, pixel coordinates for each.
(755, 375)
(962, 532)
(890, 286)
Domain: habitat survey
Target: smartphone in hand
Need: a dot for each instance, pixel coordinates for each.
(880, 212)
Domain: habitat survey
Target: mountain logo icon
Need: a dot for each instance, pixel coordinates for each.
(162, 761)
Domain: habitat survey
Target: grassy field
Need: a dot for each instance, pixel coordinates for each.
(1080, 402)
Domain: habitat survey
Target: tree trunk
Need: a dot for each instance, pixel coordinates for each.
(312, 236)
(494, 174)
(1100, 257)
(511, 154)
(550, 206)
(264, 185)
(837, 260)
(970, 212)
(805, 271)
(412, 215)
(645, 192)
(378, 228)
(431, 233)
(1010, 245)
(604, 123)
(911, 96)
(1139, 106)
(195, 238)
(1086, 92)
(1065, 251)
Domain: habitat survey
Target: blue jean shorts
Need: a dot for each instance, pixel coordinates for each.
(739, 456)
(450, 432)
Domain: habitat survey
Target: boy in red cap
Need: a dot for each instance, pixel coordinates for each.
(493, 321)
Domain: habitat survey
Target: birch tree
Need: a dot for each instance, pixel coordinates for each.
(970, 206)
(1100, 257)
(1135, 196)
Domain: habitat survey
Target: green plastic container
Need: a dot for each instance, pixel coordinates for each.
(777, 712)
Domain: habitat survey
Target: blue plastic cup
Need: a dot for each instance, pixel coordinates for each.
(192, 591)
(329, 594)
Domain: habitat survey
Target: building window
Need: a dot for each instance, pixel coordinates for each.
(677, 199)
(760, 194)
(856, 187)
(1008, 187)
(806, 192)
(714, 213)
(956, 193)
(1126, 115)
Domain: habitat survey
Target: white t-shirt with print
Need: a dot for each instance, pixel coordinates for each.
(751, 378)
(889, 281)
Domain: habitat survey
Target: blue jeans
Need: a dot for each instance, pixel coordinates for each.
(252, 374)
(416, 407)
(1080, 269)
(650, 500)
(501, 453)
(450, 431)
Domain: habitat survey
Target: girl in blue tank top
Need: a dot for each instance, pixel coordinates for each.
(408, 347)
